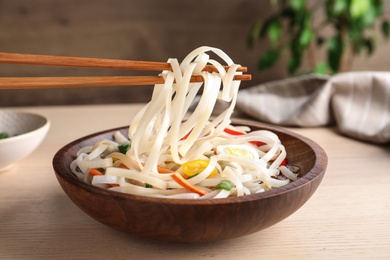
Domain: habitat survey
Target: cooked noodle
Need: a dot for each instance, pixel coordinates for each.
(173, 152)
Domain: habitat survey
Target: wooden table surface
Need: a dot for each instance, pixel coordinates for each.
(347, 218)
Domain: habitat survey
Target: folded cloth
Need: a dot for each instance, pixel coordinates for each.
(358, 103)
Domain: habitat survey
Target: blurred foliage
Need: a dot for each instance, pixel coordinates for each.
(344, 29)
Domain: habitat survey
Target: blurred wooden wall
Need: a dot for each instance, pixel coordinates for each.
(149, 30)
(128, 29)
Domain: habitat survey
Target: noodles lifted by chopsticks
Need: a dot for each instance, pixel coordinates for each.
(172, 153)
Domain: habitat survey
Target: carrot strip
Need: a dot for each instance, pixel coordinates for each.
(123, 166)
(185, 184)
(94, 172)
(163, 170)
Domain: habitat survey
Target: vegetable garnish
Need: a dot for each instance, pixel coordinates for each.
(224, 185)
(175, 149)
(123, 148)
(185, 184)
(95, 172)
(4, 135)
(163, 170)
(235, 132)
(232, 132)
(195, 167)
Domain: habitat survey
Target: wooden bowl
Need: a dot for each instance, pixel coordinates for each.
(184, 220)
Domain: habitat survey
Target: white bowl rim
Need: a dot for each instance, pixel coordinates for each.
(45, 125)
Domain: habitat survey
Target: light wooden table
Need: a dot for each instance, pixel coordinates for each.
(347, 218)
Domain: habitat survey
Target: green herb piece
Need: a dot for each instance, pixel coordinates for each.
(101, 170)
(224, 185)
(147, 185)
(4, 135)
(123, 148)
(208, 155)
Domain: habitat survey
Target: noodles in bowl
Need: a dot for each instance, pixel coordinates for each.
(194, 220)
(220, 178)
(171, 153)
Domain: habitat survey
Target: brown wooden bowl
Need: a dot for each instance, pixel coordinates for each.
(185, 220)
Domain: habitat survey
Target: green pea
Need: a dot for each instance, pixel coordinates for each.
(224, 185)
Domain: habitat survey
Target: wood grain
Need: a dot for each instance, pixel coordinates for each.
(346, 218)
(103, 81)
(68, 61)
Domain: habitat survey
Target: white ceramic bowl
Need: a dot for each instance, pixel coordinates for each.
(26, 130)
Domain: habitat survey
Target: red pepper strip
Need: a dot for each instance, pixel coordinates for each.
(230, 132)
(186, 136)
(257, 143)
(233, 132)
(284, 162)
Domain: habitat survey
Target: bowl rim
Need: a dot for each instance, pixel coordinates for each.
(317, 171)
(45, 125)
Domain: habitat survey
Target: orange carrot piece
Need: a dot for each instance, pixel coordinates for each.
(123, 166)
(163, 170)
(94, 172)
(185, 184)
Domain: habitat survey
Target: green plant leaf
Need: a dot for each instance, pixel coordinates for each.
(369, 17)
(339, 7)
(321, 68)
(305, 37)
(268, 59)
(358, 8)
(355, 31)
(254, 34)
(294, 63)
(368, 43)
(336, 8)
(335, 52)
(266, 24)
(353, 22)
(274, 31)
(386, 28)
(377, 5)
(297, 5)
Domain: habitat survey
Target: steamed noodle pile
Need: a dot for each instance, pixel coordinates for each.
(175, 154)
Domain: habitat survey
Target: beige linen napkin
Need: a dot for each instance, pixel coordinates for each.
(358, 103)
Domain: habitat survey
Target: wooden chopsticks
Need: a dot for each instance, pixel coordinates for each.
(60, 82)
(98, 81)
(67, 61)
